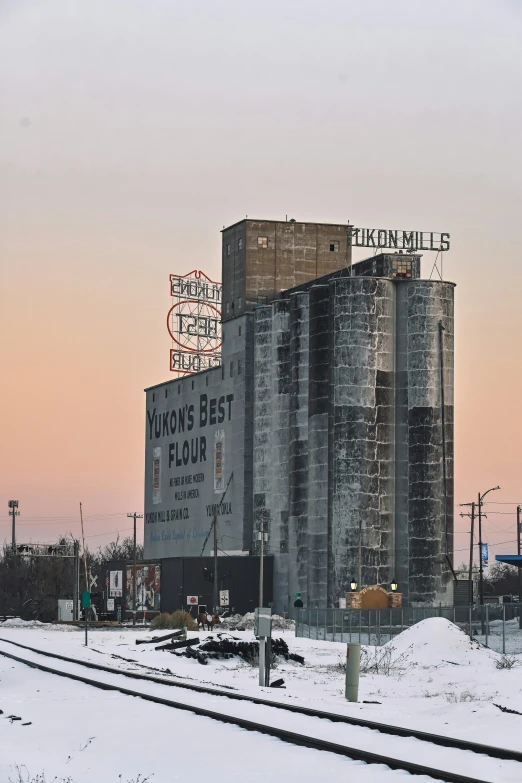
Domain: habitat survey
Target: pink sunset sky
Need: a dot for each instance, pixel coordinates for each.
(132, 131)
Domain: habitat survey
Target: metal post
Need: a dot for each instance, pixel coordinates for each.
(268, 656)
(309, 621)
(487, 624)
(76, 569)
(519, 570)
(262, 642)
(134, 576)
(350, 615)
(342, 626)
(503, 629)
(134, 516)
(86, 624)
(353, 660)
(379, 627)
(470, 631)
(360, 624)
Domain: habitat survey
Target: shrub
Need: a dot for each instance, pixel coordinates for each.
(508, 662)
(161, 621)
(456, 698)
(179, 619)
(381, 661)
(182, 619)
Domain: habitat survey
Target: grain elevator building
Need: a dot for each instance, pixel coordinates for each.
(331, 417)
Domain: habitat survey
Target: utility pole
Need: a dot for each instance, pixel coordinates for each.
(262, 536)
(213, 526)
(481, 566)
(84, 552)
(76, 574)
(360, 552)
(135, 516)
(471, 534)
(519, 509)
(13, 505)
(215, 598)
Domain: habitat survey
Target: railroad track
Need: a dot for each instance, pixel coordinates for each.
(295, 738)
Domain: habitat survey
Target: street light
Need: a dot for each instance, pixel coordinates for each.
(393, 585)
(353, 585)
(13, 505)
(481, 579)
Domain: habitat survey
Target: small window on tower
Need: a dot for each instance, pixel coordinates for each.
(228, 307)
(228, 250)
(262, 242)
(239, 303)
(402, 267)
(334, 247)
(240, 243)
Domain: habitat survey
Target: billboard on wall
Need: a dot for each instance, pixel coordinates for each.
(148, 588)
(116, 584)
(156, 476)
(219, 461)
(196, 435)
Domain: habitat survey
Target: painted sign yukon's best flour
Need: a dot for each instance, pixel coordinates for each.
(188, 462)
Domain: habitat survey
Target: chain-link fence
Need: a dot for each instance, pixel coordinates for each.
(496, 626)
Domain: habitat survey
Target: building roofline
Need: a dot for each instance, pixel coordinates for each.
(338, 275)
(285, 222)
(182, 378)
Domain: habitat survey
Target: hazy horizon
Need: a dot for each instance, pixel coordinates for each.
(132, 132)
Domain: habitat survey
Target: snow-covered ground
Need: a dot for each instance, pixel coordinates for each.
(438, 681)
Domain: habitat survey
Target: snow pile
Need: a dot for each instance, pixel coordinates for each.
(246, 622)
(16, 622)
(437, 641)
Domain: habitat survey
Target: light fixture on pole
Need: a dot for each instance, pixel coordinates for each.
(393, 585)
(481, 567)
(353, 585)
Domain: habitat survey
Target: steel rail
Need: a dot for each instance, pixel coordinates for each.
(291, 737)
(504, 754)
